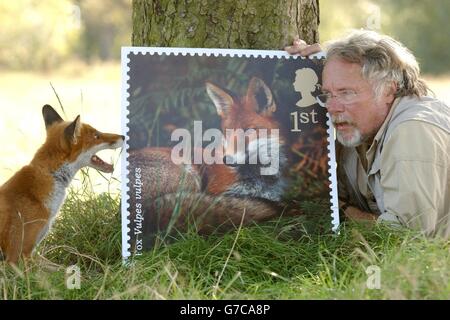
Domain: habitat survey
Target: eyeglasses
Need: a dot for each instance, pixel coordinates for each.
(344, 97)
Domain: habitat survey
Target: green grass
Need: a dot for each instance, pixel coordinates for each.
(291, 258)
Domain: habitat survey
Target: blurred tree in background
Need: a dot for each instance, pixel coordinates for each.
(36, 34)
(106, 26)
(42, 34)
(421, 25)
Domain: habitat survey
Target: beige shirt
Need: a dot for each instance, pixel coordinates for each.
(414, 175)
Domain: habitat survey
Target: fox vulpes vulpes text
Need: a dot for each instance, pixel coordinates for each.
(31, 198)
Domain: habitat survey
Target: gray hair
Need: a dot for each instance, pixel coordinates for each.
(383, 61)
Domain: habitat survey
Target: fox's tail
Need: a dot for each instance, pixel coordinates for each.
(205, 213)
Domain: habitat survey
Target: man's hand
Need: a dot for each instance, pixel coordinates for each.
(355, 214)
(301, 48)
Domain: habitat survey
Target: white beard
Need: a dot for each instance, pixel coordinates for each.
(355, 139)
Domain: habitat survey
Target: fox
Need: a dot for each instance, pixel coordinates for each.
(31, 199)
(219, 196)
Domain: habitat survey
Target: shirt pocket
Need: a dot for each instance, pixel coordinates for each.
(374, 181)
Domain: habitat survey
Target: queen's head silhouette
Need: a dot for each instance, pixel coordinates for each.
(306, 83)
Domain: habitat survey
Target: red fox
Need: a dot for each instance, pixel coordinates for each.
(214, 197)
(31, 198)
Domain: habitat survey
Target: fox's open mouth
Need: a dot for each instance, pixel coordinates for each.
(101, 165)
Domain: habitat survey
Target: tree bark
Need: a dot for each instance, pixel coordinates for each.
(238, 24)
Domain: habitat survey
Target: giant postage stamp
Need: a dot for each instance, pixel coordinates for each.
(220, 139)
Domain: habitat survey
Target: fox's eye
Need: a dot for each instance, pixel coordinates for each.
(96, 135)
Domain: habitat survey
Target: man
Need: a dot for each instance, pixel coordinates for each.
(394, 140)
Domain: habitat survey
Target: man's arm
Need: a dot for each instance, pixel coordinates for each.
(414, 179)
(414, 176)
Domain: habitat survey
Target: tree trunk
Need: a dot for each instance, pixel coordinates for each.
(238, 24)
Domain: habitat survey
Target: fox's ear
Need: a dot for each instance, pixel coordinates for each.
(259, 95)
(50, 116)
(221, 99)
(72, 131)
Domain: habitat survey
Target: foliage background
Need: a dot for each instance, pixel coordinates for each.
(422, 25)
(41, 35)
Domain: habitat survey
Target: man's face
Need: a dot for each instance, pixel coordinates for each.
(357, 115)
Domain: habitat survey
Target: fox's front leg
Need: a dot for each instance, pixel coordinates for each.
(14, 239)
(35, 229)
(25, 232)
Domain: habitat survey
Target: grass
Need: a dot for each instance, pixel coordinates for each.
(290, 258)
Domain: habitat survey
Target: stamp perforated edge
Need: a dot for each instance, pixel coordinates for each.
(332, 167)
(208, 52)
(124, 163)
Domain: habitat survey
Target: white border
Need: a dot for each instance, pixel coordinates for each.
(333, 175)
(217, 52)
(208, 52)
(124, 169)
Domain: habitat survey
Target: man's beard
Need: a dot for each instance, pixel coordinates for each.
(354, 139)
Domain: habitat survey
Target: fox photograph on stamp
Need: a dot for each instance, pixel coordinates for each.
(221, 139)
